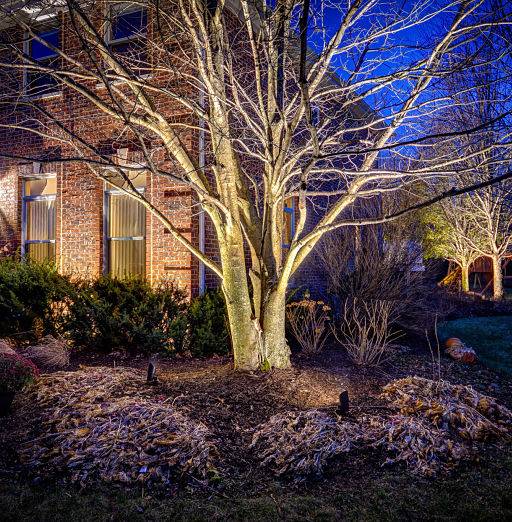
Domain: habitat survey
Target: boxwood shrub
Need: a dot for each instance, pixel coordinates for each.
(107, 314)
(30, 294)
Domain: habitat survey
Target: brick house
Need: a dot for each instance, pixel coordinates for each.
(61, 211)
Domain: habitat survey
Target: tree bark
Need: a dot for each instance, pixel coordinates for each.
(258, 342)
(276, 349)
(465, 277)
(245, 338)
(497, 278)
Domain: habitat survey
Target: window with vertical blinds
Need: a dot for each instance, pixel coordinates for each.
(38, 216)
(125, 235)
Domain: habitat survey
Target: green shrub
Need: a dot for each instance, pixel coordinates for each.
(29, 295)
(207, 323)
(109, 313)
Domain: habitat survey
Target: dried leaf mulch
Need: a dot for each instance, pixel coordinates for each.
(457, 409)
(303, 444)
(106, 424)
(430, 427)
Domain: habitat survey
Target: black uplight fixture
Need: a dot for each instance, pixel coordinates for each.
(344, 404)
(151, 379)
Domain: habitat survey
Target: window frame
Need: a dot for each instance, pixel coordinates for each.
(111, 43)
(24, 200)
(52, 24)
(109, 191)
(136, 36)
(289, 210)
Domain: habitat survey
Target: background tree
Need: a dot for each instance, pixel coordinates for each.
(491, 218)
(446, 229)
(478, 222)
(282, 91)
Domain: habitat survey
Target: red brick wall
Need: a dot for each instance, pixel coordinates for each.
(80, 195)
(9, 210)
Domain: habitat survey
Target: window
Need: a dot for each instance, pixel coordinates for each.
(38, 219)
(125, 231)
(127, 33)
(315, 116)
(289, 221)
(37, 82)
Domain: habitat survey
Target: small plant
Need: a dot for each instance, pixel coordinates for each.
(16, 372)
(207, 322)
(365, 330)
(307, 320)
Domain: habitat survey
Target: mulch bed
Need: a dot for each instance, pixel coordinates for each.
(232, 404)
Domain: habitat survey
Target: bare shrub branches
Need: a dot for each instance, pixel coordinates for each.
(365, 330)
(308, 321)
(379, 289)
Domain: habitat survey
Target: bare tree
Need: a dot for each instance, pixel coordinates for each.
(478, 223)
(492, 219)
(282, 91)
(449, 233)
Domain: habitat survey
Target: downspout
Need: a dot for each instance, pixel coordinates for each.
(202, 163)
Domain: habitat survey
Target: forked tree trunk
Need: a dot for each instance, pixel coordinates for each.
(497, 278)
(465, 277)
(257, 343)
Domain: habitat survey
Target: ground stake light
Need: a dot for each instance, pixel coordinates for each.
(151, 373)
(344, 403)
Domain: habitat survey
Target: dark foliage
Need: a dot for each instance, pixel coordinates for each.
(207, 321)
(108, 314)
(29, 296)
(130, 314)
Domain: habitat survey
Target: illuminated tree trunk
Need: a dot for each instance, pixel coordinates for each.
(258, 342)
(497, 278)
(276, 350)
(465, 277)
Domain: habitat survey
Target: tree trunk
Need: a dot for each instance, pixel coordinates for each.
(275, 347)
(465, 278)
(497, 278)
(245, 337)
(258, 343)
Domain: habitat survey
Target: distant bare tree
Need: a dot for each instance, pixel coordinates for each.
(447, 227)
(477, 223)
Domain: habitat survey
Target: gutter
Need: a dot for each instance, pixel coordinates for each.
(202, 163)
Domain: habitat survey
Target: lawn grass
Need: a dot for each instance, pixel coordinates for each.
(470, 494)
(491, 337)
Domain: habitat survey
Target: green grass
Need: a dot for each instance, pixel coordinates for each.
(475, 493)
(491, 337)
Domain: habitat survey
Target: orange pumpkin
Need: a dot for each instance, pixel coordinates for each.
(452, 342)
